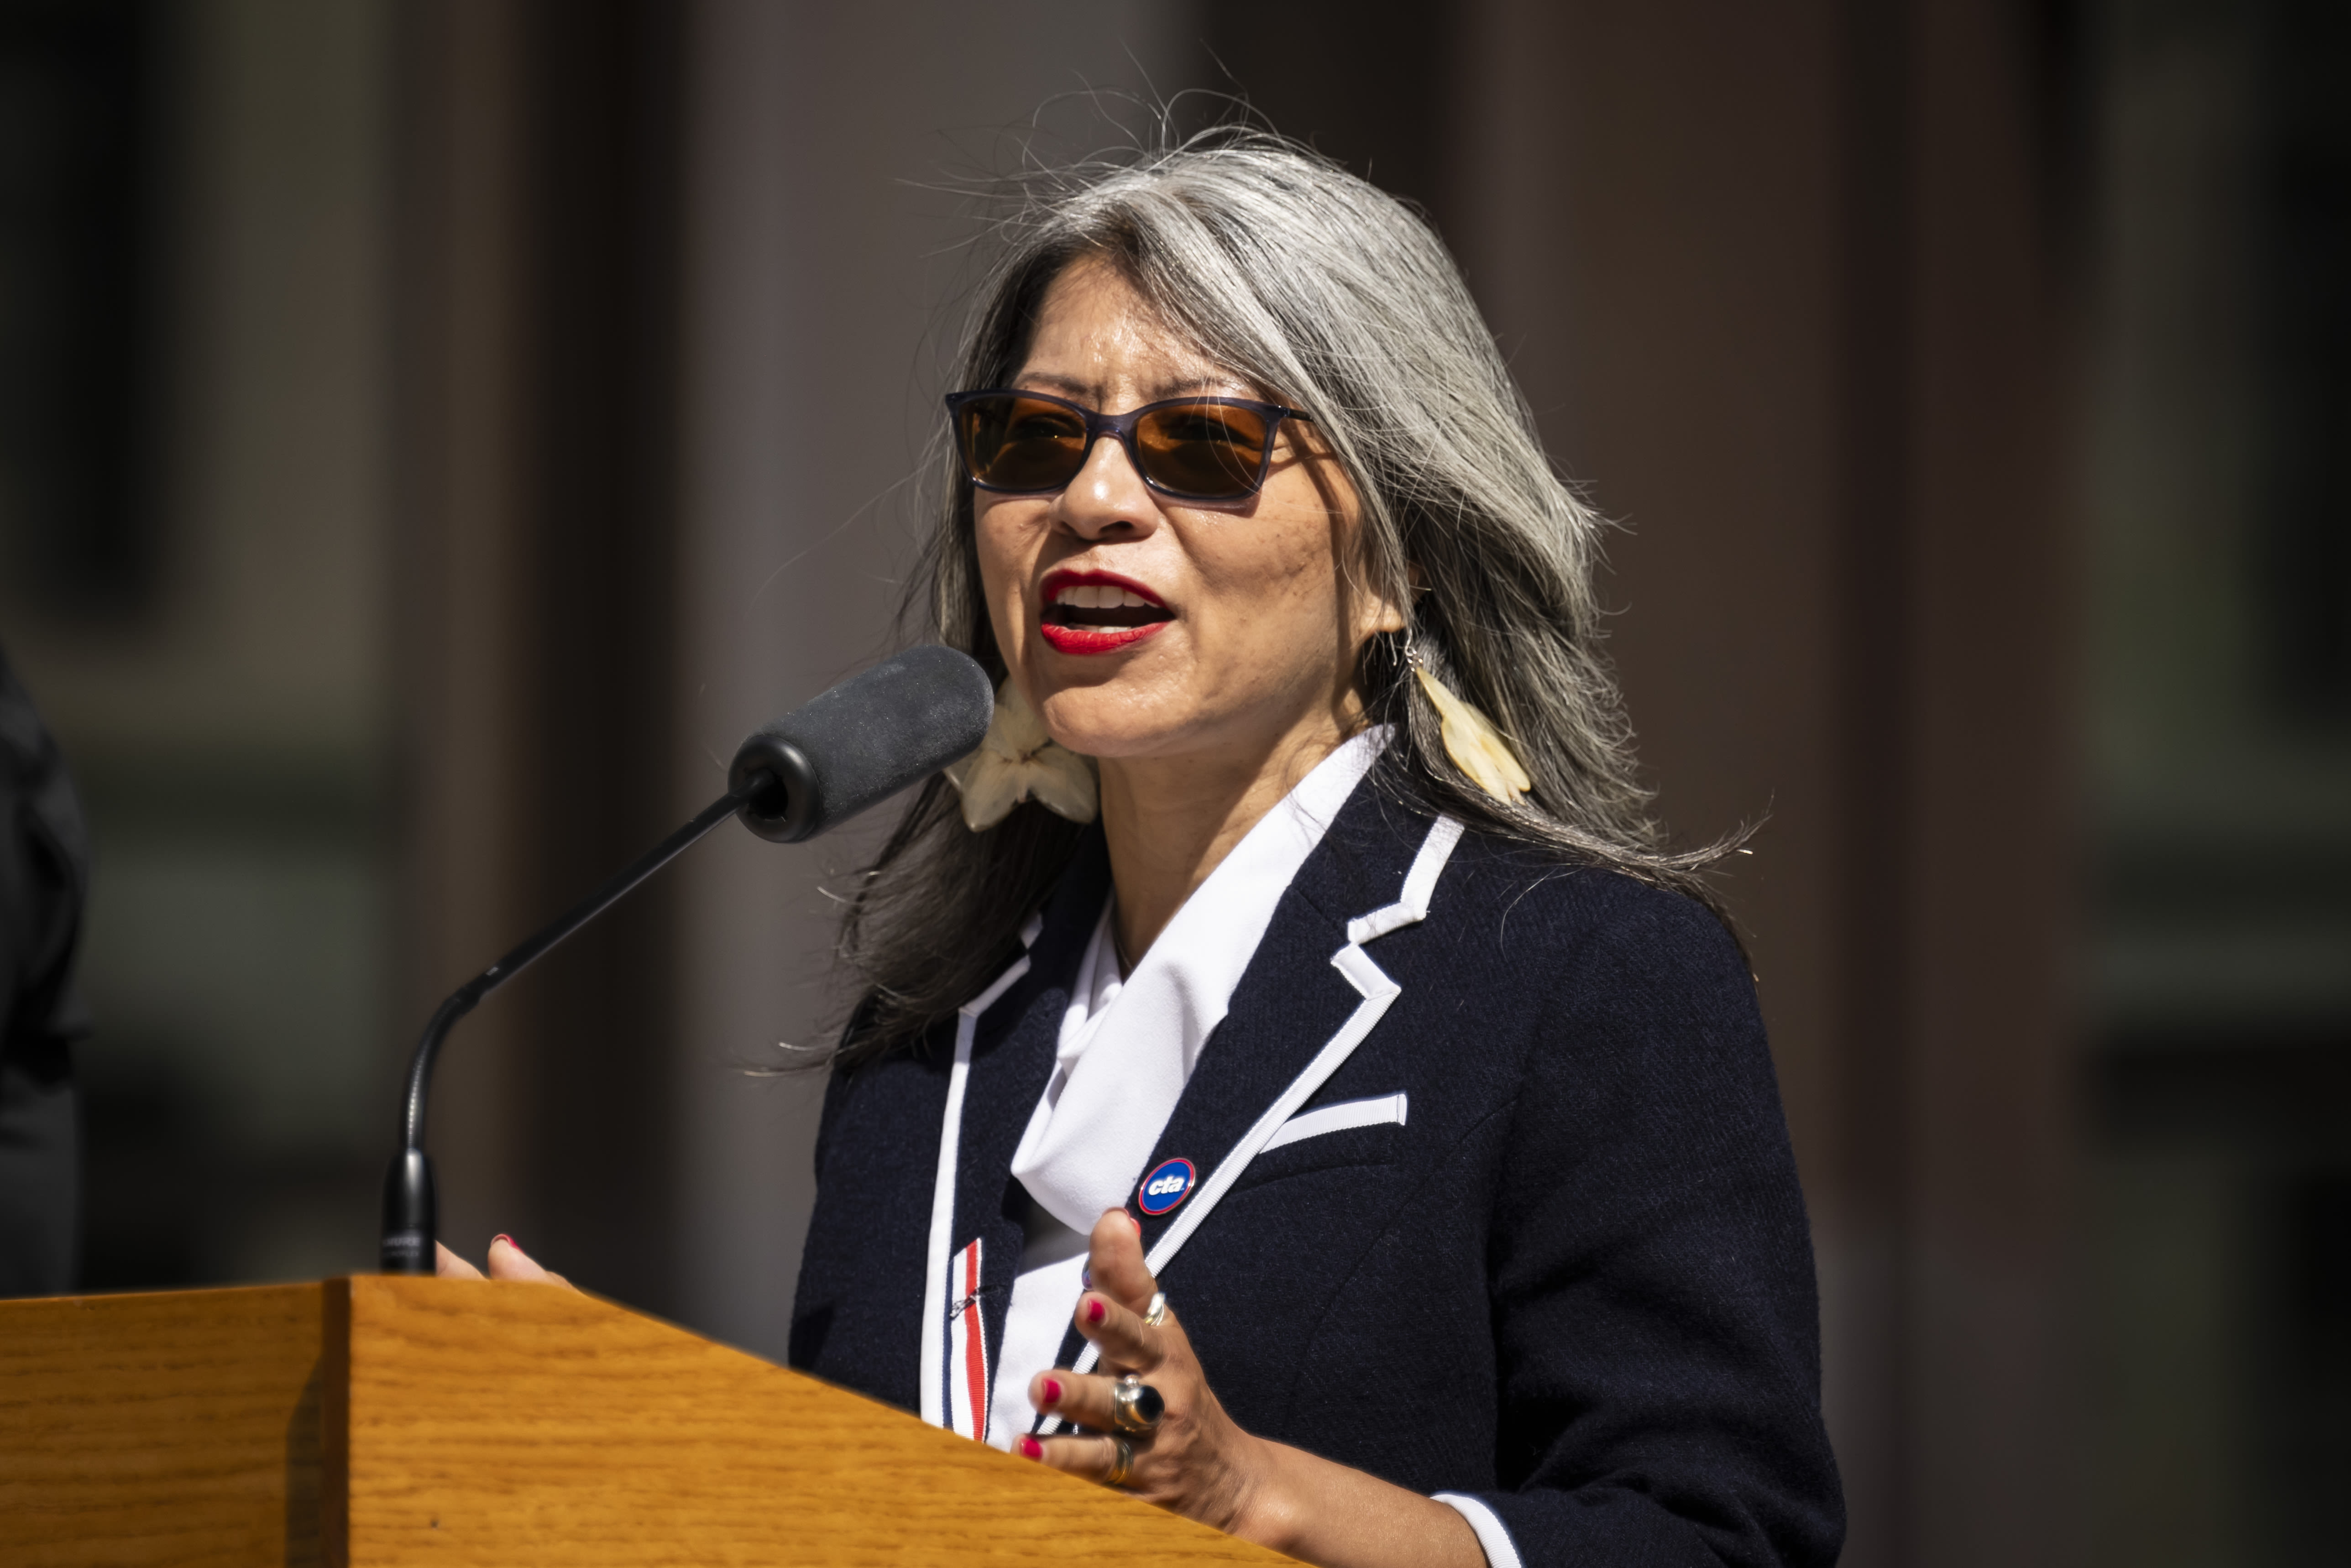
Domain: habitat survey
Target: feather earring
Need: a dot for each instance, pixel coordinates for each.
(1020, 761)
(1475, 747)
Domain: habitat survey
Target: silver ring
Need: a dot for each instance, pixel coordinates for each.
(1135, 1406)
(1121, 1464)
(1158, 1312)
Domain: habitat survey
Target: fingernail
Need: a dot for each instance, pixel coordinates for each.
(1052, 1391)
(1136, 1223)
(1086, 1278)
(502, 1235)
(1096, 1312)
(1030, 1448)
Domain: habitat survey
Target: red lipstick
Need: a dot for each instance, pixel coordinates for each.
(1105, 621)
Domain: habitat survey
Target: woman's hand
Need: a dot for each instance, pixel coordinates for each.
(507, 1261)
(1197, 1462)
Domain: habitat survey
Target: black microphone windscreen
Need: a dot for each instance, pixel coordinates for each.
(864, 740)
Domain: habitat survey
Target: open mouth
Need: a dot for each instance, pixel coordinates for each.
(1095, 613)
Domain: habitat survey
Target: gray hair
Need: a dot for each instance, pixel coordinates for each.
(1329, 295)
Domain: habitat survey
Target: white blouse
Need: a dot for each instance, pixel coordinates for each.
(1127, 1048)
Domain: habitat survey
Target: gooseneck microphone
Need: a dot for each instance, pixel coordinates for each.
(817, 766)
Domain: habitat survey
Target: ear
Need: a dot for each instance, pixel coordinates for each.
(1379, 614)
(1366, 604)
(1374, 611)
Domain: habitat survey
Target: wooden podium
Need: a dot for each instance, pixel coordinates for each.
(379, 1421)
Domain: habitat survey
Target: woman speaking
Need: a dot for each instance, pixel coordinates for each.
(1293, 1083)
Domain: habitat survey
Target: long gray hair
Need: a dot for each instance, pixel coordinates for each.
(1330, 295)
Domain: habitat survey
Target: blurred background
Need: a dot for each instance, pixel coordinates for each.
(433, 431)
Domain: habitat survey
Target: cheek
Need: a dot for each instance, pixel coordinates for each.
(998, 548)
(1004, 543)
(1276, 596)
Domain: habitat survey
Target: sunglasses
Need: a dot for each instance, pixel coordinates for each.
(1186, 448)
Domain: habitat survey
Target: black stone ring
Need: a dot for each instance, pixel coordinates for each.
(1135, 1406)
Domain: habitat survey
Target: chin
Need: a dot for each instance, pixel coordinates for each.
(1101, 721)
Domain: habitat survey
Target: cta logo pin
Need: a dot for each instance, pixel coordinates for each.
(1169, 1183)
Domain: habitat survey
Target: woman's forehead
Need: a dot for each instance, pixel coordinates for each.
(1096, 335)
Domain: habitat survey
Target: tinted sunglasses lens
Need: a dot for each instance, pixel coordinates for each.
(1211, 452)
(1020, 444)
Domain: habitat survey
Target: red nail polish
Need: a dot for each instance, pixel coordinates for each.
(1096, 1312)
(1052, 1391)
(1136, 1223)
(502, 1235)
(1030, 1448)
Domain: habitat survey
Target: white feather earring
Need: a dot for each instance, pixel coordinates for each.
(1017, 762)
(1475, 747)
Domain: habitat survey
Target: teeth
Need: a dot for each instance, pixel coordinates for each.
(1100, 596)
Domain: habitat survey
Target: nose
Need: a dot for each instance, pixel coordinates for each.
(1108, 499)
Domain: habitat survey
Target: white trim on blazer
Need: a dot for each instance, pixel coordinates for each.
(937, 1343)
(1378, 991)
(1386, 1110)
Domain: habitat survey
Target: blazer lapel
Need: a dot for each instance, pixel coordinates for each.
(1291, 1004)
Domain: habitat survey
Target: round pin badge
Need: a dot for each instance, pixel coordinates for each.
(1169, 1183)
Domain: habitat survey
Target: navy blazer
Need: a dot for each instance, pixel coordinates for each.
(1575, 1281)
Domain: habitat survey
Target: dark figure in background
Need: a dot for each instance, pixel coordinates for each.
(43, 881)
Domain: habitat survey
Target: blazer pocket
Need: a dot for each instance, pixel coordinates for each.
(1383, 1110)
(1350, 1135)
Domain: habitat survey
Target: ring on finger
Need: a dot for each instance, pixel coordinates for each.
(1135, 1406)
(1157, 1315)
(1122, 1462)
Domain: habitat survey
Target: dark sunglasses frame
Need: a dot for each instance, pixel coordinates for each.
(1121, 428)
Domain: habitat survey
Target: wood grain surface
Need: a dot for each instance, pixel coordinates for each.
(178, 1428)
(525, 1424)
(385, 1422)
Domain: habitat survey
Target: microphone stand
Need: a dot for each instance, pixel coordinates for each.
(409, 1212)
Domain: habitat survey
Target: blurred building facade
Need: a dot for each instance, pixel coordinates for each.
(195, 536)
(436, 430)
(2216, 511)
